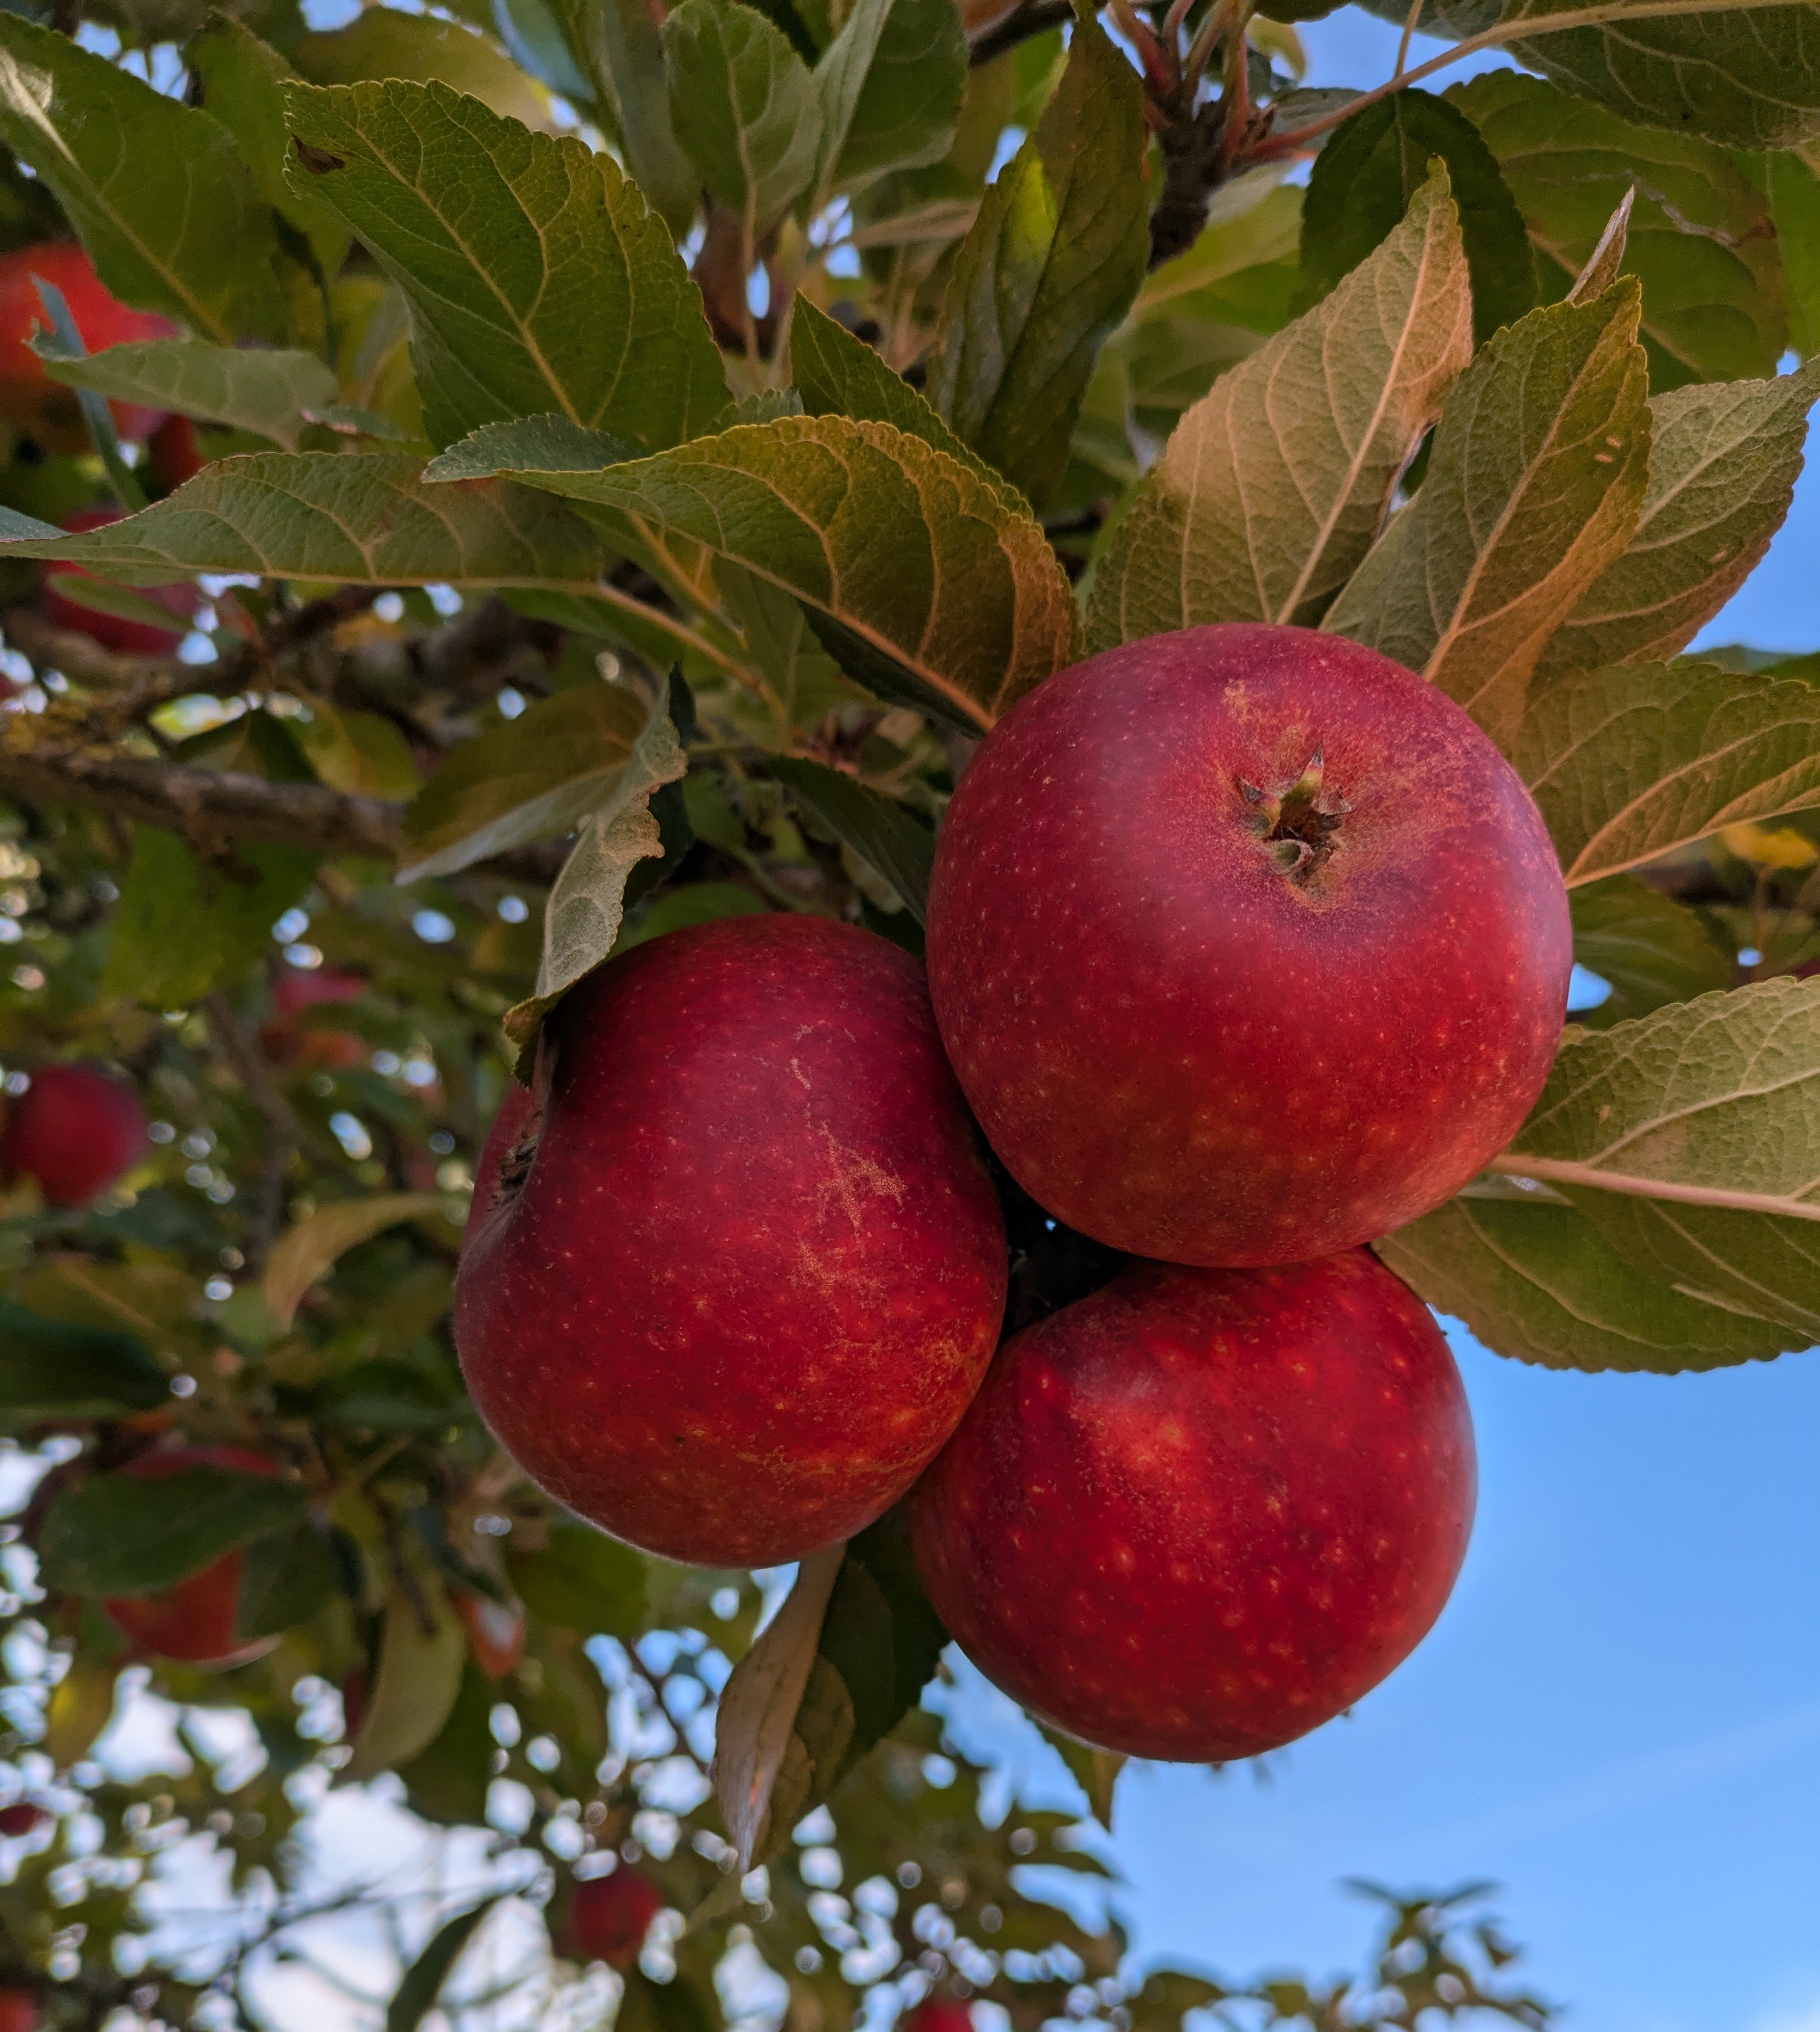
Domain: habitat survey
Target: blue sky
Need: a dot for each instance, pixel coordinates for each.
(1618, 1717)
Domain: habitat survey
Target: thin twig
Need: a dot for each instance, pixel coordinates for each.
(1410, 20)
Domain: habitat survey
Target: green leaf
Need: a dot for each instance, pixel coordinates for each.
(1270, 493)
(1253, 222)
(582, 1580)
(1746, 76)
(890, 87)
(844, 1661)
(286, 1579)
(1651, 949)
(1700, 240)
(415, 1996)
(1687, 1137)
(1533, 487)
(156, 189)
(1052, 262)
(449, 1781)
(1629, 764)
(184, 926)
(757, 1719)
(837, 375)
(1365, 178)
(587, 905)
(1724, 459)
(242, 81)
(1094, 1770)
(311, 1247)
(266, 392)
(538, 280)
(357, 518)
(1535, 1280)
(617, 45)
(1794, 200)
(112, 1535)
(529, 444)
(388, 42)
(422, 1653)
(743, 104)
(536, 776)
(923, 563)
(50, 1369)
(694, 903)
(880, 831)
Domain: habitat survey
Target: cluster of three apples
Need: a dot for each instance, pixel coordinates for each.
(1246, 947)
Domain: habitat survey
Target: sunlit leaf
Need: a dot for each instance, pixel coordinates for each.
(538, 279)
(1537, 1282)
(1687, 1137)
(1270, 493)
(1631, 763)
(1724, 459)
(1533, 487)
(156, 189)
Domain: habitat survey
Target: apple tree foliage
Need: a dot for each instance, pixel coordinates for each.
(645, 451)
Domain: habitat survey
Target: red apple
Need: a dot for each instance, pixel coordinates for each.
(18, 2011)
(289, 1043)
(1246, 946)
(43, 409)
(76, 1129)
(736, 1269)
(610, 1916)
(1199, 1513)
(126, 637)
(21, 1819)
(174, 454)
(495, 1630)
(195, 1620)
(939, 2014)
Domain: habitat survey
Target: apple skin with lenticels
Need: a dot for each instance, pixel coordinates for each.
(737, 1266)
(1246, 946)
(1200, 1512)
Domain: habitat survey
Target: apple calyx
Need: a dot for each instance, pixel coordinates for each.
(1297, 821)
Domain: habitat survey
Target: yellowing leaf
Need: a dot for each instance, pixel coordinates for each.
(1533, 487)
(1631, 763)
(756, 1720)
(932, 569)
(315, 1245)
(1270, 491)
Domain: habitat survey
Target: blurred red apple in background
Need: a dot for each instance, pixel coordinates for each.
(126, 637)
(289, 1043)
(174, 454)
(1246, 945)
(608, 1918)
(1199, 1513)
(43, 409)
(195, 1620)
(735, 1270)
(76, 1129)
